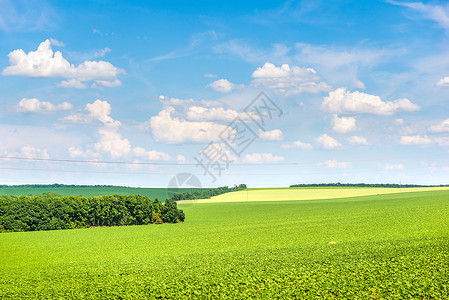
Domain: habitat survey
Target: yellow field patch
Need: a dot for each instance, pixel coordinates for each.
(284, 194)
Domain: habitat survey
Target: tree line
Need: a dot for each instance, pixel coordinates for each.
(207, 194)
(51, 212)
(385, 185)
(57, 185)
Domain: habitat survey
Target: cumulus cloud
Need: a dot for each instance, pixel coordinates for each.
(224, 86)
(443, 82)
(171, 101)
(257, 158)
(174, 130)
(45, 63)
(442, 127)
(110, 142)
(151, 155)
(34, 105)
(33, 152)
(343, 124)
(78, 152)
(333, 164)
(328, 142)
(271, 135)
(342, 101)
(297, 144)
(98, 111)
(288, 80)
(200, 113)
(415, 140)
(357, 140)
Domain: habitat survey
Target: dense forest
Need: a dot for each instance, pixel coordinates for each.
(385, 185)
(207, 194)
(51, 212)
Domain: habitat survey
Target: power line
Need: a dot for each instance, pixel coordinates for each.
(182, 164)
(135, 163)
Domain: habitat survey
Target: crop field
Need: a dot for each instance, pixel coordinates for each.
(307, 193)
(153, 193)
(385, 246)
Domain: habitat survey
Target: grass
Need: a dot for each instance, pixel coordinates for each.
(382, 246)
(153, 193)
(307, 193)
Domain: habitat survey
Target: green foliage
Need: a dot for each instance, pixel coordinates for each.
(207, 194)
(392, 246)
(52, 212)
(382, 185)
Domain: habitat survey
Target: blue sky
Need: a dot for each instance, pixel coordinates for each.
(363, 88)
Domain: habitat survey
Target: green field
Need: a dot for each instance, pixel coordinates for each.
(386, 246)
(153, 193)
(307, 193)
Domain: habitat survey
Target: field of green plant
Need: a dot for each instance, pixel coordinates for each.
(307, 193)
(153, 193)
(389, 246)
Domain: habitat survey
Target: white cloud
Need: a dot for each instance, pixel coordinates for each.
(442, 141)
(33, 152)
(343, 124)
(443, 82)
(388, 166)
(97, 111)
(288, 81)
(102, 52)
(224, 86)
(333, 164)
(106, 83)
(399, 121)
(442, 127)
(328, 142)
(173, 130)
(72, 83)
(272, 135)
(257, 158)
(150, 155)
(45, 63)
(78, 152)
(342, 101)
(210, 75)
(167, 101)
(359, 84)
(56, 43)
(415, 140)
(181, 159)
(357, 140)
(437, 13)
(112, 143)
(200, 113)
(297, 144)
(34, 105)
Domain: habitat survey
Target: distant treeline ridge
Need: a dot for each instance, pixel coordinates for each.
(59, 185)
(386, 185)
(51, 212)
(207, 194)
